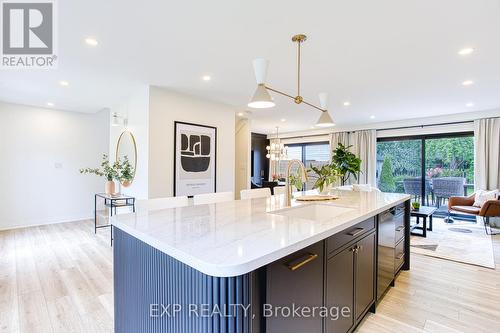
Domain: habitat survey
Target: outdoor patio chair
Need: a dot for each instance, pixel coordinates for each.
(447, 187)
(413, 186)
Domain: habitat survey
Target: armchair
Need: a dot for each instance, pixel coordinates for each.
(490, 208)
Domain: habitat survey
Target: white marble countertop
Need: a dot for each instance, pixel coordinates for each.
(236, 237)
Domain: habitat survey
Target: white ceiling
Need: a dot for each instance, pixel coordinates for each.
(390, 58)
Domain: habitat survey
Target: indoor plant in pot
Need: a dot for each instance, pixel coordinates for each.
(126, 172)
(110, 172)
(346, 163)
(326, 175)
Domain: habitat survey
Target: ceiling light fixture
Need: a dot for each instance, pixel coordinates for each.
(347, 103)
(240, 114)
(372, 117)
(206, 78)
(469, 105)
(64, 83)
(283, 120)
(324, 120)
(467, 83)
(116, 120)
(91, 41)
(262, 99)
(466, 51)
(50, 104)
(277, 151)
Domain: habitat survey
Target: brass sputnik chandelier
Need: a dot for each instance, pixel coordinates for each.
(262, 99)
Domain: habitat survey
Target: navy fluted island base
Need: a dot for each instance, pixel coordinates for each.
(156, 293)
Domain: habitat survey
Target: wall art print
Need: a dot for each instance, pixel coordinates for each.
(195, 150)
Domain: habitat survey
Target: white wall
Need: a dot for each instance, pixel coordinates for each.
(41, 151)
(165, 107)
(243, 160)
(136, 109)
(457, 117)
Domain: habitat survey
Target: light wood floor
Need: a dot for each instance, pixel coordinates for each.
(58, 278)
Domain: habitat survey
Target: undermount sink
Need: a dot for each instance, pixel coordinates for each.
(315, 212)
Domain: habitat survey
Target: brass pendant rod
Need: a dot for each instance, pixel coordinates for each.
(298, 69)
(314, 106)
(280, 92)
(292, 97)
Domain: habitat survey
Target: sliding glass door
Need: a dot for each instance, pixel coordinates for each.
(430, 168)
(316, 154)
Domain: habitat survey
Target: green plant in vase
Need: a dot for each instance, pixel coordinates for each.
(346, 163)
(296, 180)
(126, 172)
(326, 175)
(108, 171)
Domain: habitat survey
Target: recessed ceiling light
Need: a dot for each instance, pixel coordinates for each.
(240, 114)
(466, 51)
(467, 83)
(283, 120)
(469, 105)
(50, 104)
(347, 103)
(206, 78)
(372, 117)
(64, 83)
(91, 41)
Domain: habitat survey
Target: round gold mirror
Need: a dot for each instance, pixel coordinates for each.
(126, 154)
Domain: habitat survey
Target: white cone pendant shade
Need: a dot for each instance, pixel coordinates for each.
(261, 98)
(323, 100)
(325, 120)
(260, 70)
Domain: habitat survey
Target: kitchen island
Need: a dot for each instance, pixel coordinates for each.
(247, 265)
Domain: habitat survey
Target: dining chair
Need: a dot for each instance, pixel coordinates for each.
(279, 190)
(255, 193)
(161, 203)
(208, 198)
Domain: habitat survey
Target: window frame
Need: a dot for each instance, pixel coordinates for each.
(422, 139)
(303, 150)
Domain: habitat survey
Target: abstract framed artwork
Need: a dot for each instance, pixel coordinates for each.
(195, 156)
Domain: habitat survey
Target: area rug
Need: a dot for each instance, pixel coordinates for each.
(466, 242)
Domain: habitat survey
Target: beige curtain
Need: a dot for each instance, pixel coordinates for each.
(487, 154)
(364, 145)
(339, 137)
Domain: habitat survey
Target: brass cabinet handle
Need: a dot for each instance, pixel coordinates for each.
(294, 265)
(398, 229)
(355, 232)
(400, 256)
(356, 248)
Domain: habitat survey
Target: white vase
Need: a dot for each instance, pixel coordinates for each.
(326, 189)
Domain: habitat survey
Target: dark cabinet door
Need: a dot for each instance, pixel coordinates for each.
(296, 279)
(340, 290)
(365, 274)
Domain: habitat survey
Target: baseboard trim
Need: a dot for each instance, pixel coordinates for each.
(42, 224)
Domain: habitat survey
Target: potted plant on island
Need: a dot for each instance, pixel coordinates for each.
(296, 182)
(343, 165)
(326, 176)
(110, 172)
